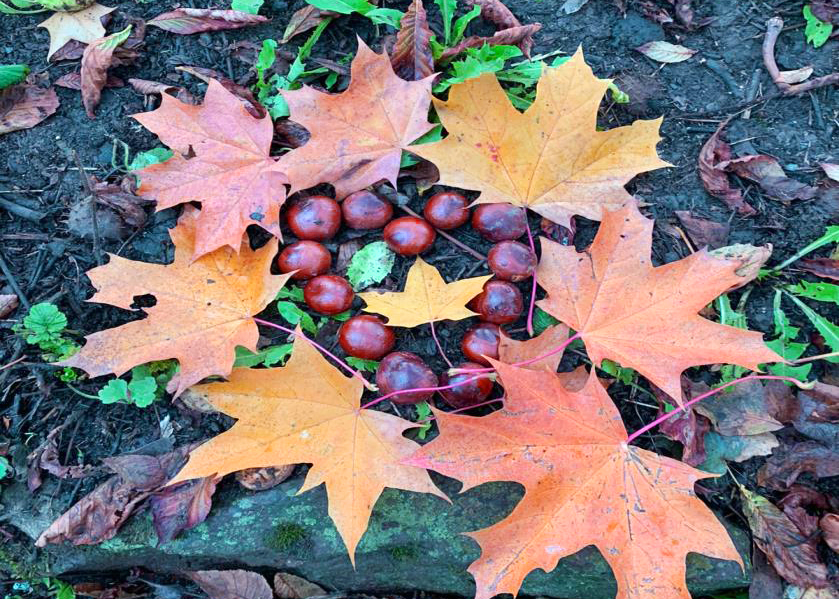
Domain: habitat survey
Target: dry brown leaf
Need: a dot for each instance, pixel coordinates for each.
(713, 153)
(357, 136)
(767, 172)
(260, 479)
(584, 485)
(308, 412)
(426, 298)
(96, 61)
(550, 159)
(24, 106)
(182, 507)
(83, 26)
(830, 529)
(640, 316)
(232, 174)
(513, 36)
(186, 21)
(303, 20)
(8, 304)
(204, 308)
(289, 586)
(703, 232)
(232, 584)
(411, 57)
(502, 17)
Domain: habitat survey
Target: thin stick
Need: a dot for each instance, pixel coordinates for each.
(463, 409)
(533, 288)
(556, 350)
(459, 244)
(93, 217)
(773, 30)
(419, 389)
(814, 358)
(337, 360)
(439, 347)
(698, 398)
(10, 278)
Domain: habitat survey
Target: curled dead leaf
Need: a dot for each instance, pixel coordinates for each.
(186, 21)
(714, 178)
(512, 36)
(661, 51)
(751, 259)
(289, 586)
(96, 61)
(8, 304)
(24, 106)
(412, 58)
(231, 584)
(261, 479)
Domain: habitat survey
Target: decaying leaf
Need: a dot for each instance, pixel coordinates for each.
(662, 51)
(98, 516)
(289, 586)
(24, 106)
(511, 351)
(703, 232)
(830, 529)
(789, 462)
(8, 304)
(179, 508)
(502, 17)
(512, 36)
(96, 61)
(767, 172)
(827, 268)
(260, 479)
(426, 298)
(741, 410)
(831, 170)
(232, 174)
(307, 412)
(686, 426)
(791, 553)
(74, 81)
(232, 584)
(551, 158)
(82, 25)
(357, 136)
(645, 317)
(568, 449)
(196, 20)
(303, 20)
(204, 308)
(411, 57)
(714, 153)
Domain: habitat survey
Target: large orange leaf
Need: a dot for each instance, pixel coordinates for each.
(583, 486)
(645, 317)
(231, 174)
(308, 412)
(204, 309)
(551, 158)
(357, 135)
(427, 298)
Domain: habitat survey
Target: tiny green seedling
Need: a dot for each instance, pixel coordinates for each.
(786, 346)
(733, 318)
(370, 265)
(268, 356)
(11, 74)
(362, 365)
(45, 326)
(816, 31)
(379, 16)
(249, 6)
(147, 384)
(424, 417)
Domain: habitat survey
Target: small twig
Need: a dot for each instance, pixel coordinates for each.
(93, 218)
(773, 30)
(814, 358)
(437, 342)
(7, 272)
(459, 244)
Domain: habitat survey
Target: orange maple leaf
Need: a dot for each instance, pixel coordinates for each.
(511, 351)
(204, 309)
(641, 316)
(427, 298)
(308, 412)
(583, 486)
(551, 158)
(357, 135)
(231, 174)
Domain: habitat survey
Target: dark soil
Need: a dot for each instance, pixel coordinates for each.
(48, 261)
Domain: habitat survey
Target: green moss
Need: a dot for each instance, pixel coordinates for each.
(403, 553)
(286, 535)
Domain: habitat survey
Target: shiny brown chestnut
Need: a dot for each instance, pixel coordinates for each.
(499, 222)
(446, 210)
(317, 218)
(308, 258)
(328, 294)
(409, 236)
(365, 210)
(402, 370)
(481, 340)
(465, 394)
(511, 261)
(500, 302)
(365, 336)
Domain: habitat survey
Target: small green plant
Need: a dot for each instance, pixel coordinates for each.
(733, 318)
(269, 356)
(58, 589)
(369, 265)
(816, 31)
(624, 375)
(147, 384)
(453, 30)
(361, 364)
(542, 321)
(786, 346)
(149, 157)
(379, 16)
(12, 73)
(249, 6)
(5, 467)
(424, 416)
(45, 326)
(30, 7)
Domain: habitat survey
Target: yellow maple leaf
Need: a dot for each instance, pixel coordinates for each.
(427, 298)
(551, 158)
(308, 412)
(82, 25)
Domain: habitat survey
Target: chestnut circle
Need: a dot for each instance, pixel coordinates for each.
(308, 258)
(403, 370)
(328, 294)
(365, 210)
(316, 218)
(409, 236)
(481, 340)
(511, 261)
(499, 222)
(465, 394)
(446, 210)
(365, 336)
(500, 302)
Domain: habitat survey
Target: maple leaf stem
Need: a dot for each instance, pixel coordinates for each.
(533, 288)
(556, 350)
(437, 342)
(698, 398)
(372, 403)
(337, 360)
(463, 409)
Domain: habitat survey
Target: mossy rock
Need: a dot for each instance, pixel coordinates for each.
(414, 542)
